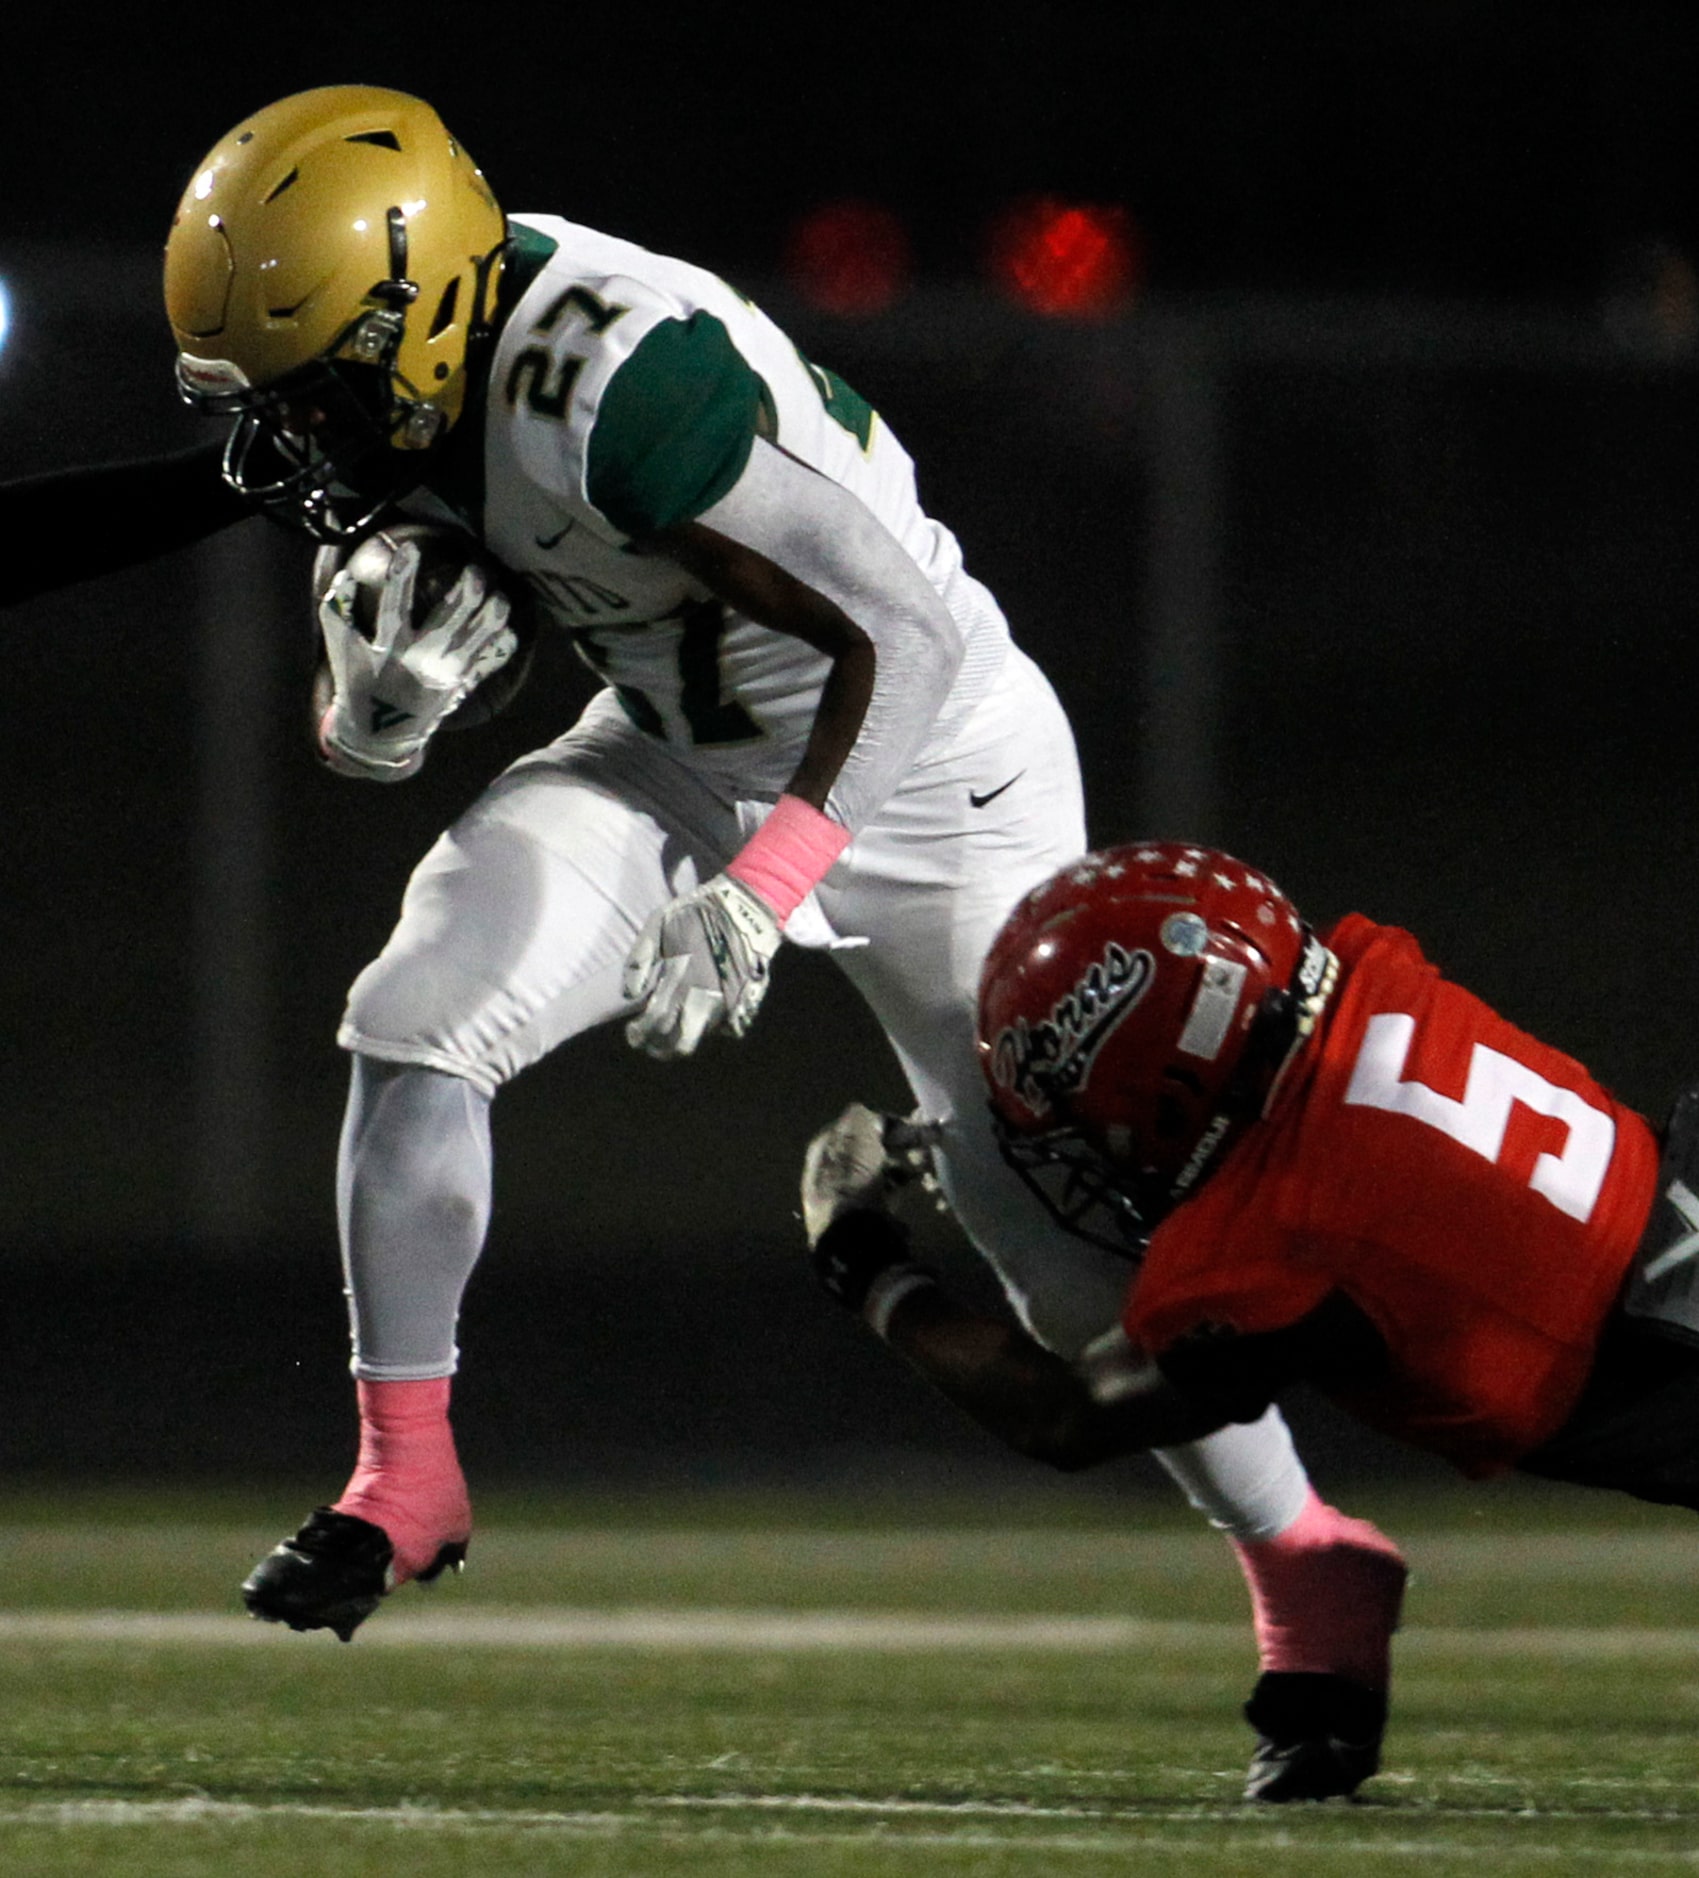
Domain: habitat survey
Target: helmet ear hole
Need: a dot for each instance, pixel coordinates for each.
(1179, 1108)
(1172, 1116)
(445, 308)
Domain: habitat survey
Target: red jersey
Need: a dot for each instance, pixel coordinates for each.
(1475, 1193)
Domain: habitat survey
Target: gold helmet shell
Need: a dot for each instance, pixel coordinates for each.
(339, 227)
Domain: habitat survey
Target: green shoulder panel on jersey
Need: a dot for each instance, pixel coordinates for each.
(674, 427)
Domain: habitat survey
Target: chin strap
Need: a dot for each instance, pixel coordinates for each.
(1285, 1023)
(1314, 980)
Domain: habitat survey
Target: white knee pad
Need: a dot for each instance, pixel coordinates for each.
(1245, 1478)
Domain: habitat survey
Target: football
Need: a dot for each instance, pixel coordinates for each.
(443, 554)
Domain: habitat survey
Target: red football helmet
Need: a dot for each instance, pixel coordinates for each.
(1136, 1013)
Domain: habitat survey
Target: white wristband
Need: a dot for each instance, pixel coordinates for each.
(888, 1290)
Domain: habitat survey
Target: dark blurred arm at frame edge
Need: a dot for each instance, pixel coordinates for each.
(73, 525)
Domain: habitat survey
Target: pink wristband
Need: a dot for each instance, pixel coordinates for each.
(789, 854)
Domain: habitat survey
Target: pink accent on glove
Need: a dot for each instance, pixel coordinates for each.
(407, 1479)
(1325, 1595)
(789, 855)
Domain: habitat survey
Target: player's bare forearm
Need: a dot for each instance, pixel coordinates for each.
(1070, 1415)
(749, 582)
(1040, 1404)
(837, 721)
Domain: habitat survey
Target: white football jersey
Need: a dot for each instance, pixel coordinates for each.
(625, 394)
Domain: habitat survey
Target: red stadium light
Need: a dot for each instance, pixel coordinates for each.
(849, 257)
(1067, 258)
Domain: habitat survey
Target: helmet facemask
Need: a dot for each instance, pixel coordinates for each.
(330, 445)
(1076, 1187)
(1117, 1201)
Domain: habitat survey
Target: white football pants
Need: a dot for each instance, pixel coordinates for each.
(512, 938)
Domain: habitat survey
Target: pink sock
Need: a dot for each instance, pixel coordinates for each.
(407, 1478)
(1325, 1595)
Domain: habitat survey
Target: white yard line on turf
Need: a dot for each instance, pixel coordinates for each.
(553, 1628)
(652, 1629)
(1112, 1830)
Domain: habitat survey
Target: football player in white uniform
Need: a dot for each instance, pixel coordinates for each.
(814, 728)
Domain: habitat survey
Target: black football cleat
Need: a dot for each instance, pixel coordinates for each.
(1318, 1736)
(332, 1574)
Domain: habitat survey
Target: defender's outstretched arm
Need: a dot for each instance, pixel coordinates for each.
(117, 515)
(1112, 1401)
(1069, 1415)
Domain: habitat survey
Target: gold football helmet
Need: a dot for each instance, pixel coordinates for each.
(331, 263)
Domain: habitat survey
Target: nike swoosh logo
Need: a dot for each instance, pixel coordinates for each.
(979, 801)
(554, 541)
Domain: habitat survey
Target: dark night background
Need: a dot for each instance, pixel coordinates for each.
(1359, 540)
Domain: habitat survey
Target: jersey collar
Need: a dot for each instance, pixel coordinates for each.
(458, 477)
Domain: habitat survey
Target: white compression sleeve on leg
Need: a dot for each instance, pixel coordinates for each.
(413, 1203)
(1245, 1478)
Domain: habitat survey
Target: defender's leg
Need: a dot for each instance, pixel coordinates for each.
(1325, 1589)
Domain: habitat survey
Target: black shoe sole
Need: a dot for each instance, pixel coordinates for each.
(333, 1574)
(1318, 1736)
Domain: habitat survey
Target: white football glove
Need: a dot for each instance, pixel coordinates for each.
(860, 1163)
(392, 691)
(700, 964)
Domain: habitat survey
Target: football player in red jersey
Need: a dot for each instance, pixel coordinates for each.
(1325, 1163)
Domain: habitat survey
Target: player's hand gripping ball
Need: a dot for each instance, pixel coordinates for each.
(418, 627)
(443, 554)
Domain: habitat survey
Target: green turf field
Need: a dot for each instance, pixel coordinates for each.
(784, 1687)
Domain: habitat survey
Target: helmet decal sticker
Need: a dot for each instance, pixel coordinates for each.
(1053, 1058)
(1184, 934)
(1213, 1009)
(212, 375)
